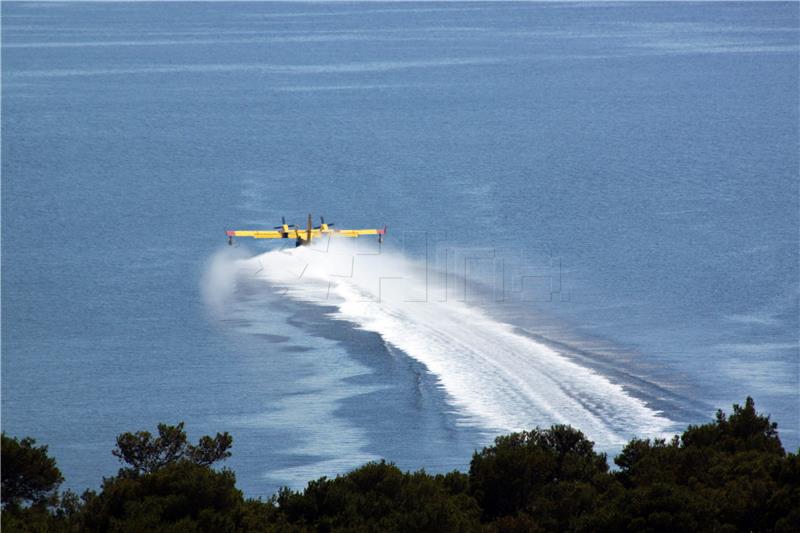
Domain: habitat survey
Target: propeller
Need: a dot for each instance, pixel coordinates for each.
(283, 223)
(322, 221)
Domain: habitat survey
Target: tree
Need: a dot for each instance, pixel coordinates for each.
(744, 430)
(379, 497)
(169, 486)
(731, 474)
(146, 454)
(29, 475)
(180, 496)
(528, 470)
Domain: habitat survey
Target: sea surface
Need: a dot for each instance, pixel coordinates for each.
(593, 218)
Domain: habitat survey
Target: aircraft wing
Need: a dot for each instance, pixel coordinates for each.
(304, 235)
(261, 234)
(274, 234)
(357, 232)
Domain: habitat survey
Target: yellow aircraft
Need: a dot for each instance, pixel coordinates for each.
(303, 237)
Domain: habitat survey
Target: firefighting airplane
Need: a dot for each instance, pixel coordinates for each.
(303, 237)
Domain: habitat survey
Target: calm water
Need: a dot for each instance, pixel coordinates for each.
(617, 184)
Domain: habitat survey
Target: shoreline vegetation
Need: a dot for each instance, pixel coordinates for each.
(731, 474)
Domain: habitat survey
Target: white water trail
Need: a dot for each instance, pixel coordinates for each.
(495, 377)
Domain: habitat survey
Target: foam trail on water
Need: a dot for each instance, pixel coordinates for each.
(495, 377)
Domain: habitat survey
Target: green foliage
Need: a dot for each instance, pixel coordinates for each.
(146, 454)
(379, 497)
(729, 475)
(745, 430)
(29, 475)
(535, 470)
(732, 474)
(181, 496)
(30, 479)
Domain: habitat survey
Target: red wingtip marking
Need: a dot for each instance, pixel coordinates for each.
(230, 233)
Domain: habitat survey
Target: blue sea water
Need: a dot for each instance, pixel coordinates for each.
(615, 185)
